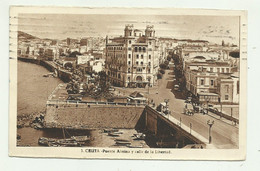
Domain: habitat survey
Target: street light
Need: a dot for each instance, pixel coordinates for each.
(166, 105)
(190, 127)
(210, 124)
(207, 98)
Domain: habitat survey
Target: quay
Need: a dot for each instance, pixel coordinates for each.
(63, 74)
(69, 114)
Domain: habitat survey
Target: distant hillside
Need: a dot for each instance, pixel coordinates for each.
(23, 35)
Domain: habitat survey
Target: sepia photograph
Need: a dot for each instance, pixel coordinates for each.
(113, 83)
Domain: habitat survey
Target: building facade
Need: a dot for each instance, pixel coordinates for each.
(130, 59)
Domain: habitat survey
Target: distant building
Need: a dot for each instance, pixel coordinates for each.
(83, 42)
(228, 89)
(83, 59)
(68, 41)
(130, 58)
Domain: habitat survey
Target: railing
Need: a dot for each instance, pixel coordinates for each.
(76, 102)
(224, 115)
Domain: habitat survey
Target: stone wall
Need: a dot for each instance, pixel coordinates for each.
(93, 116)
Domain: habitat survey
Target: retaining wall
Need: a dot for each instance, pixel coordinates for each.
(93, 116)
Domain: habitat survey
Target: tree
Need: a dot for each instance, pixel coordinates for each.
(166, 63)
(162, 71)
(74, 54)
(159, 76)
(163, 66)
(234, 54)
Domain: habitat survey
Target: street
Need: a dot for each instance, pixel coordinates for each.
(223, 135)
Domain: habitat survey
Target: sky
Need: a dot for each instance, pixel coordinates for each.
(60, 26)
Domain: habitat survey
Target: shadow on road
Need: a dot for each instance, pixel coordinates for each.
(169, 85)
(178, 94)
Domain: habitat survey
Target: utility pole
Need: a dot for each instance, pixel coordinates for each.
(190, 127)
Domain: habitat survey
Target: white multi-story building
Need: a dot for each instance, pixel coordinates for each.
(131, 59)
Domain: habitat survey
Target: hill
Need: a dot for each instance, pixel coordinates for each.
(23, 35)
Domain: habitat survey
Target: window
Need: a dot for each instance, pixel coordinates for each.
(139, 69)
(129, 55)
(129, 41)
(149, 70)
(149, 63)
(144, 49)
(218, 70)
(135, 49)
(223, 70)
(211, 69)
(237, 87)
(137, 63)
(150, 43)
(130, 33)
(140, 49)
(227, 69)
(150, 34)
(137, 56)
(226, 97)
(142, 63)
(212, 82)
(142, 56)
(226, 88)
(129, 70)
(201, 82)
(128, 78)
(149, 56)
(129, 62)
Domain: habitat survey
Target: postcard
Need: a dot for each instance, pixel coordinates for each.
(128, 83)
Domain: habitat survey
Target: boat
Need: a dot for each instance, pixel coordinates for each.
(48, 75)
(53, 142)
(140, 136)
(134, 146)
(67, 143)
(123, 142)
(110, 130)
(47, 139)
(81, 138)
(113, 134)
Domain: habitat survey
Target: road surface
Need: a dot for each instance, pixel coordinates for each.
(224, 135)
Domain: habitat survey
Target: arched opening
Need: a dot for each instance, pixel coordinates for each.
(139, 79)
(139, 83)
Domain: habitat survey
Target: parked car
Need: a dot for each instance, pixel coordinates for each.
(188, 100)
(189, 110)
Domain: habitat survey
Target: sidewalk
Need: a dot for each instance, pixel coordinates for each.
(190, 131)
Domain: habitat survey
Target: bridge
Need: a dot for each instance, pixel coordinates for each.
(162, 125)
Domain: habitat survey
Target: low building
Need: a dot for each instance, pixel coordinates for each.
(137, 97)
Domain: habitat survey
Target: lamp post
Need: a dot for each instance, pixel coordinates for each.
(190, 127)
(210, 124)
(149, 80)
(166, 106)
(207, 98)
